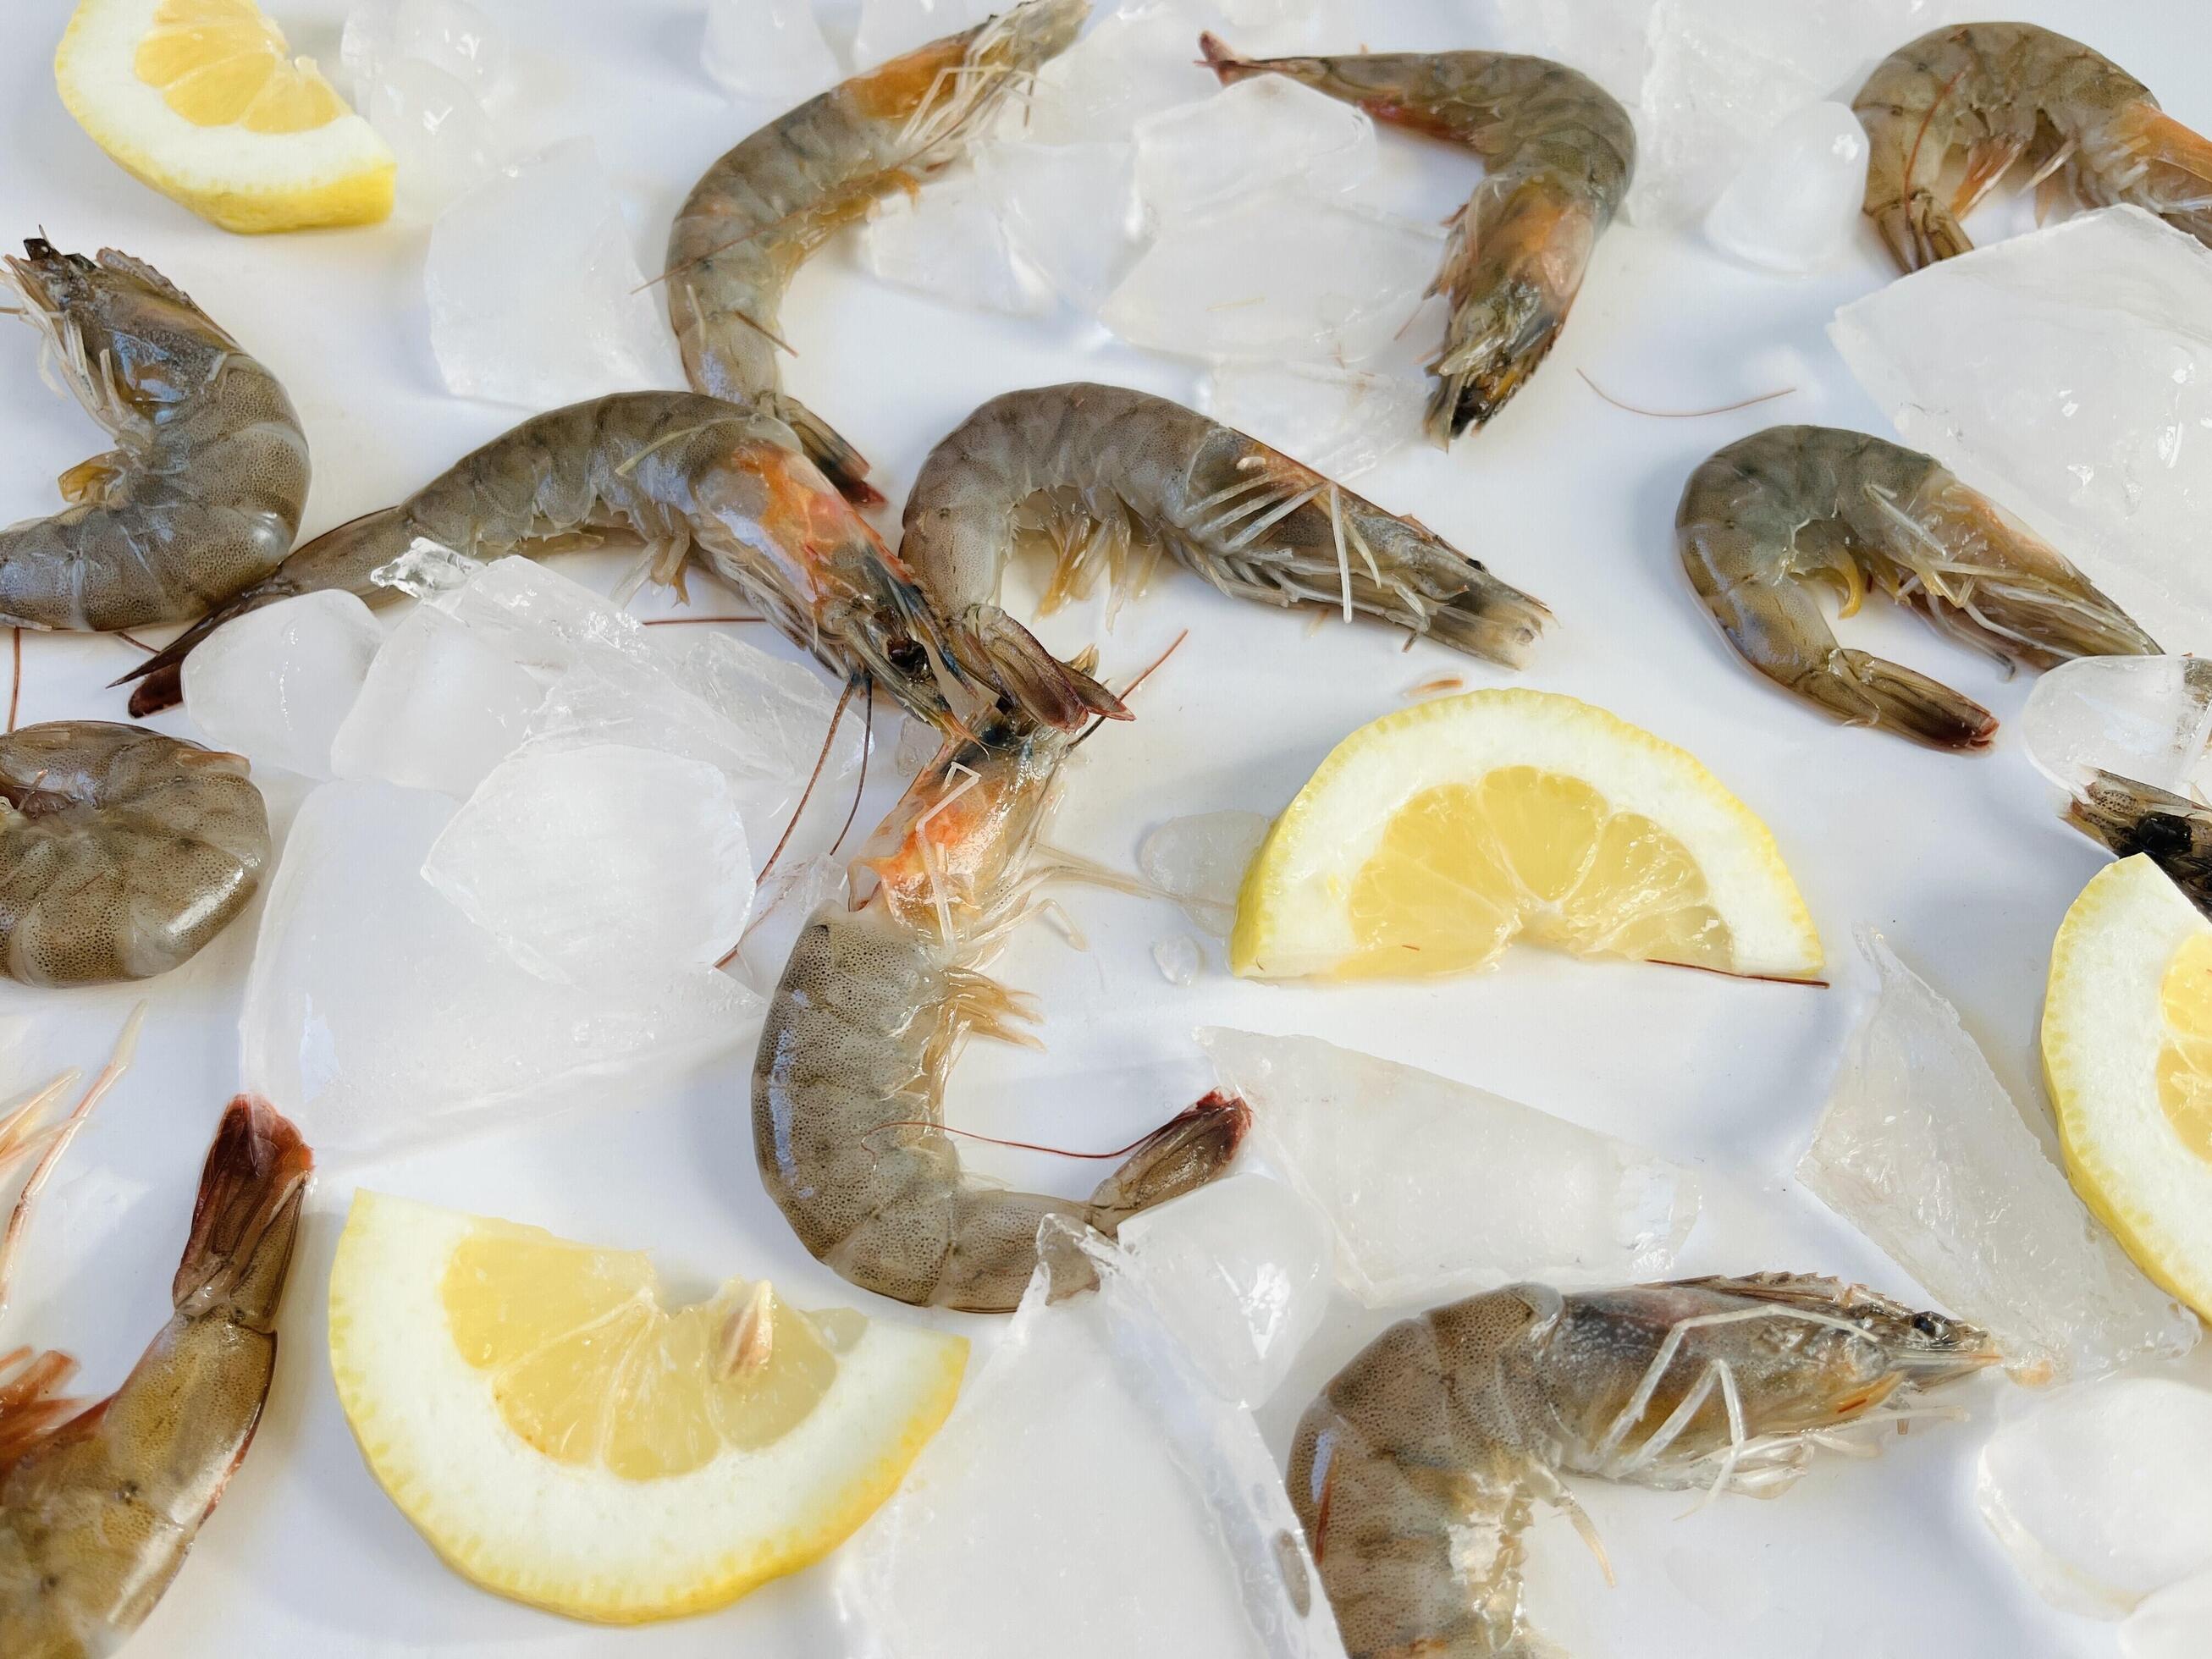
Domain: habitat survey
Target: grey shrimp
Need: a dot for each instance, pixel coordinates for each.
(1417, 1471)
(203, 492)
(872, 1012)
(2005, 92)
(1559, 150)
(757, 214)
(1097, 469)
(1767, 519)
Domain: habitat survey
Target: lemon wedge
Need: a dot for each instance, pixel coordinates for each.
(2127, 1051)
(562, 1436)
(1430, 839)
(201, 99)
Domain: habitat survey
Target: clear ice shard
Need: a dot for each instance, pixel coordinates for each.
(2171, 1624)
(949, 240)
(1251, 137)
(449, 35)
(768, 49)
(1433, 1188)
(600, 862)
(1281, 274)
(1796, 200)
(1340, 422)
(2145, 718)
(437, 710)
(1178, 958)
(536, 297)
(1199, 862)
(437, 131)
(2099, 1494)
(888, 27)
(1090, 1494)
(1071, 210)
(377, 1015)
(2067, 372)
(275, 683)
(1129, 64)
(531, 614)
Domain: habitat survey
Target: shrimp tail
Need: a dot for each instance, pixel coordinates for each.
(1226, 65)
(1864, 690)
(996, 648)
(246, 1217)
(842, 464)
(1181, 1155)
(2174, 165)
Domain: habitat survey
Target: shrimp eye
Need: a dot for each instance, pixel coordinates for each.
(1929, 1324)
(907, 656)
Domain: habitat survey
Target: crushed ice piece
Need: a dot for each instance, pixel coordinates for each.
(437, 710)
(788, 896)
(449, 35)
(378, 1015)
(1239, 1272)
(275, 685)
(2067, 372)
(438, 133)
(531, 614)
(1797, 199)
(1340, 422)
(1178, 958)
(1088, 1437)
(426, 568)
(949, 240)
(771, 49)
(1128, 65)
(1199, 862)
(2100, 1495)
(1071, 210)
(2171, 1624)
(2145, 718)
(536, 297)
(1435, 1187)
(1278, 275)
(1248, 137)
(1922, 1150)
(599, 862)
(888, 27)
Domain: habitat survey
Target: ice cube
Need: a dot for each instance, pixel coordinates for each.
(1129, 64)
(426, 569)
(437, 131)
(771, 49)
(788, 897)
(949, 240)
(437, 710)
(1090, 1494)
(275, 685)
(1922, 1149)
(1248, 137)
(378, 1015)
(1607, 40)
(1434, 1188)
(1071, 210)
(535, 294)
(2067, 372)
(1340, 422)
(1239, 1272)
(531, 614)
(2145, 718)
(448, 35)
(889, 27)
(1280, 274)
(1199, 862)
(1797, 199)
(2100, 1494)
(601, 862)
(1178, 958)
(2171, 1624)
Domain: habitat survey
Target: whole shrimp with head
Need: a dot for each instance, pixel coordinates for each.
(1558, 149)
(2004, 93)
(757, 214)
(871, 1014)
(203, 492)
(1417, 1471)
(1767, 519)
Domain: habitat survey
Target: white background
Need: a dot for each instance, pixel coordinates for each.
(1959, 859)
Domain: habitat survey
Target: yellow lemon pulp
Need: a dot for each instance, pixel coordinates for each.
(2185, 1059)
(220, 63)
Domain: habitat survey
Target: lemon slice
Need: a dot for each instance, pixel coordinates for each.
(1429, 840)
(561, 1436)
(201, 99)
(2127, 1050)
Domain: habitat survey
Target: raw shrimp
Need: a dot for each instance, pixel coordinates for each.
(98, 1506)
(1416, 1470)
(1093, 469)
(1765, 521)
(694, 477)
(2132, 817)
(1559, 150)
(122, 852)
(204, 490)
(872, 1010)
(2002, 92)
(757, 214)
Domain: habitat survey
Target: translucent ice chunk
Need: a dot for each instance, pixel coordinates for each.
(2100, 1494)
(1248, 138)
(2170, 1625)
(1071, 210)
(949, 240)
(889, 27)
(1922, 1150)
(1140, 59)
(1795, 202)
(2145, 718)
(1239, 1272)
(530, 613)
(377, 1015)
(597, 863)
(438, 132)
(2068, 374)
(535, 294)
(771, 49)
(1607, 40)
(1435, 1187)
(439, 709)
(1199, 861)
(275, 683)
(1340, 422)
(1090, 1494)
(426, 569)
(1178, 958)
(1278, 275)
(448, 35)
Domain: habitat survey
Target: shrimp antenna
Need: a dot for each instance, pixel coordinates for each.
(1150, 669)
(837, 719)
(867, 737)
